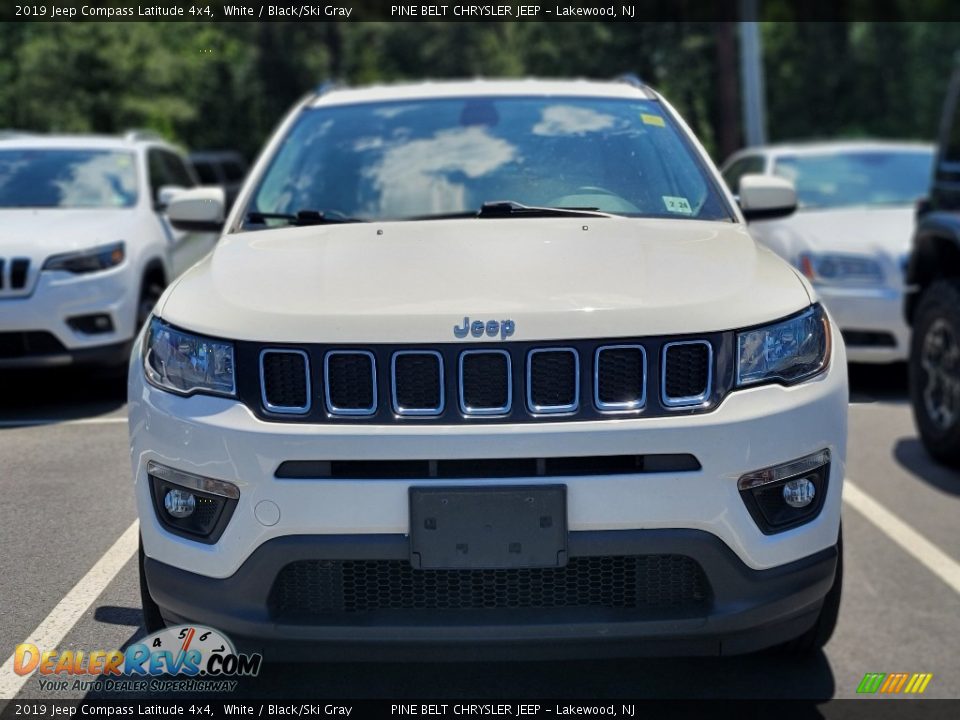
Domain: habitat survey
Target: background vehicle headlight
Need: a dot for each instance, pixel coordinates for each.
(88, 261)
(184, 363)
(852, 269)
(788, 351)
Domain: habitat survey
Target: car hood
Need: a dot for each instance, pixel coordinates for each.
(556, 278)
(870, 231)
(37, 233)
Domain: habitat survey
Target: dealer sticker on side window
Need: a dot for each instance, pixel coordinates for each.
(677, 205)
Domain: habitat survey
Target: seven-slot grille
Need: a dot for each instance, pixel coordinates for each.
(13, 274)
(513, 382)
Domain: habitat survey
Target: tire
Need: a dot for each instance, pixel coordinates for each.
(935, 371)
(152, 619)
(149, 294)
(814, 639)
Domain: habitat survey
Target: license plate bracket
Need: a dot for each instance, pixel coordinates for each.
(497, 527)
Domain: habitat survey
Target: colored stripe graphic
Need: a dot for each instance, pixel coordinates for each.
(894, 683)
(871, 682)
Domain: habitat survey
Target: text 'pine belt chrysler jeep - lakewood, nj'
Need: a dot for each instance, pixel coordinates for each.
(490, 368)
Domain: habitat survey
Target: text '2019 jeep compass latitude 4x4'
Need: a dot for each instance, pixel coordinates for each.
(490, 368)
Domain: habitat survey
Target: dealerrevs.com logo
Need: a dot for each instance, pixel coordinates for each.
(189, 658)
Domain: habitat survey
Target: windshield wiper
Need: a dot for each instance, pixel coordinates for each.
(303, 217)
(511, 208)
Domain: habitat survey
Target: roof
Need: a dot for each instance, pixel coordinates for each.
(86, 142)
(482, 87)
(815, 147)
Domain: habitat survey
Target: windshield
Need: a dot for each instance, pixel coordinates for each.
(422, 158)
(868, 177)
(44, 178)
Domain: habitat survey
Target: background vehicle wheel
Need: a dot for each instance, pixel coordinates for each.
(819, 635)
(149, 294)
(935, 371)
(152, 619)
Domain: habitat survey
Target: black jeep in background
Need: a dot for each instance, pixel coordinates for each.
(932, 304)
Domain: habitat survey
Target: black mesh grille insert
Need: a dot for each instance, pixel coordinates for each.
(350, 383)
(308, 590)
(620, 376)
(26, 344)
(553, 379)
(418, 382)
(486, 380)
(687, 370)
(285, 380)
(18, 273)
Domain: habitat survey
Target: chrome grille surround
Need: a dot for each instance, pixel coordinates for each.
(553, 409)
(620, 407)
(285, 409)
(397, 407)
(356, 412)
(484, 411)
(689, 400)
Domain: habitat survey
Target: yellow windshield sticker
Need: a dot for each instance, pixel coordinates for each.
(652, 120)
(677, 205)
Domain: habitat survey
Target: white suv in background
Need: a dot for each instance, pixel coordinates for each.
(851, 233)
(490, 367)
(85, 248)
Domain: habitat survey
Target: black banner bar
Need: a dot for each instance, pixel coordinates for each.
(476, 11)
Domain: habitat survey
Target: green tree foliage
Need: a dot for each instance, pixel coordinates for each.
(223, 85)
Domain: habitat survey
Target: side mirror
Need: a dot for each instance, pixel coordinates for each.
(164, 195)
(197, 209)
(765, 197)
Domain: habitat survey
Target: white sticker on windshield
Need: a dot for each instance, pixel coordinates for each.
(677, 205)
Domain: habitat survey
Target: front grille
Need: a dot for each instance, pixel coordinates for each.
(13, 273)
(499, 382)
(28, 344)
(322, 590)
(486, 385)
(687, 372)
(350, 378)
(285, 380)
(418, 383)
(553, 380)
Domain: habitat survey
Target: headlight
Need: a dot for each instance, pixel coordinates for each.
(184, 363)
(788, 351)
(857, 269)
(88, 261)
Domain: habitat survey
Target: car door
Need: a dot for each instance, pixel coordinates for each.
(167, 169)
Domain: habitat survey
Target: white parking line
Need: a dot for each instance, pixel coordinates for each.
(82, 421)
(924, 551)
(71, 608)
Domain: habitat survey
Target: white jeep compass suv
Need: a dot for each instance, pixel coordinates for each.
(85, 249)
(490, 368)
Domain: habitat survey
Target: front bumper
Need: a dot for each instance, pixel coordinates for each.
(58, 297)
(872, 322)
(745, 610)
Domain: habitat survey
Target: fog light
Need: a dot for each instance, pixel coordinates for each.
(784, 496)
(179, 503)
(799, 493)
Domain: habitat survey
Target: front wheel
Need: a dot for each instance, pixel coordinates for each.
(935, 371)
(152, 619)
(819, 635)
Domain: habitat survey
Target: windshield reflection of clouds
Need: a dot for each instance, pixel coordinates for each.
(67, 178)
(420, 175)
(104, 180)
(571, 120)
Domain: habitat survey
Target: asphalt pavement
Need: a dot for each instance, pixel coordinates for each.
(67, 498)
